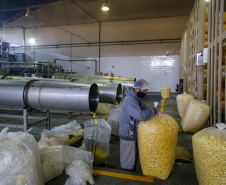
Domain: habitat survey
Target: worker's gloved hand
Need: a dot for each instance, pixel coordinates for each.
(156, 104)
(158, 111)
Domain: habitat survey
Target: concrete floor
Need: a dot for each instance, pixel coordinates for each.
(183, 173)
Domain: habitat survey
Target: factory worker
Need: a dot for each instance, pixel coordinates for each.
(133, 111)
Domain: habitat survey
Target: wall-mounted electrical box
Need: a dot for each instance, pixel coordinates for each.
(184, 68)
(205, 55)
(200, 59)
(98, 73)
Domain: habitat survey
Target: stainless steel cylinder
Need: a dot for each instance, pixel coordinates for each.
(49, 95)
(11, 93)
(60, 96)
(110, 93)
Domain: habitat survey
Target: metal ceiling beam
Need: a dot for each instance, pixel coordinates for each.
(60, 28)
(14, 8)
(85, 11)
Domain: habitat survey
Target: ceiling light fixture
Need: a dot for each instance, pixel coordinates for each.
(28, 13)
(105, 6)
(32, 41)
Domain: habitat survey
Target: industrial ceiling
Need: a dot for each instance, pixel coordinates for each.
(45, 13)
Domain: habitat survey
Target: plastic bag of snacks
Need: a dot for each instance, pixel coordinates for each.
(60, 135)
(19, 159)
(99, 149)
(53, 161)
(97, 133)
(114, 119)
(209, 148)
(52, 138)
(165, 92)
(182, 103)
(79, 173)
(73, 154)
(157, 141)
(73, 128)
(195, 116)
(56, 158)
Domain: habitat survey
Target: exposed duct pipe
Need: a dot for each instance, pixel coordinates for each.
(4, 35)
(33, 63)
(24, 41)
(113, 43)
(98, 79)
(34, 78)
(49, 95)
(76, 60)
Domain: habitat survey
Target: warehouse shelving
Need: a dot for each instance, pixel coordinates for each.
(205, 29)
(193, 42)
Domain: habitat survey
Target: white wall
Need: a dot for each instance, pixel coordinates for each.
(134, 60)
(159, 71)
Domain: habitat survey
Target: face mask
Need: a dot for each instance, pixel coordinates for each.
(141, 94)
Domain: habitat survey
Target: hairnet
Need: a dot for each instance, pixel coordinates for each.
(141, 84)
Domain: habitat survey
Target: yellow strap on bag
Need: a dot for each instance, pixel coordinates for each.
(94, 114)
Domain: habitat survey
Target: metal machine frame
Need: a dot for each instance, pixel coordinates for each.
(25, 117)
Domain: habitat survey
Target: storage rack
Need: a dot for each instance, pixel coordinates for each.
(193, 42)
(206, 28)
(216, 57)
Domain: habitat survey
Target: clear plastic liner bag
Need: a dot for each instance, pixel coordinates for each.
(73, 128)
(97, 129)
(97, 133)
(79, 173)
(157, 141)
(100, 150)
(54, 161)
(56, 158)
(19, 159)
(52, 138)
(182, 103)
(195, 116)
(83, 147)
(114, 118)
(209, 149)
(73, 154)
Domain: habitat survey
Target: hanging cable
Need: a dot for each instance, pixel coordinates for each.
(31, 6)
(59, 28)
(3, 20)
(85, 11)
(34, 36)
(71, 52)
